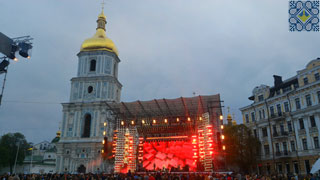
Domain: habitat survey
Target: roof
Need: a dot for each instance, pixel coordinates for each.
(183, 106)
(55, 140)
(35, 158)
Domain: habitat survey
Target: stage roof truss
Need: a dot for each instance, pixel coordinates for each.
(166, 108)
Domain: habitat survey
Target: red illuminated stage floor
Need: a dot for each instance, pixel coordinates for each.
(159, 155)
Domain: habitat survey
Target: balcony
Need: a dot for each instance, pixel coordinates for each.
(302, 131)
(313, 129)
(282, 134)
(282, 153)
(278, 117)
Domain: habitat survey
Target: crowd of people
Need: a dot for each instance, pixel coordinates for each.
(153, 176)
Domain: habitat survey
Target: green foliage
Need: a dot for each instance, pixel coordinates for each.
(8, 149)
(242, 147)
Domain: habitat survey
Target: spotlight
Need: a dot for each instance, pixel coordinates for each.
(12, 55)
(24, 49)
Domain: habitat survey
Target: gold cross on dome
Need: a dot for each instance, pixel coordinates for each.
(102, 4)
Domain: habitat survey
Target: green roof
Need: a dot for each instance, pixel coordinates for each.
(34, 158)
(55, 140)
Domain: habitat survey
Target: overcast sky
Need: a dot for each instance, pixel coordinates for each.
(168, 49)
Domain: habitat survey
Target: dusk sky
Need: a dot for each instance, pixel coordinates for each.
(168, 49)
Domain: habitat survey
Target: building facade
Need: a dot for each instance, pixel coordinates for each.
(286, 119)
(86, 120)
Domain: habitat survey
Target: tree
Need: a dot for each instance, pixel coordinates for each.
(8, 149)
(243, 148)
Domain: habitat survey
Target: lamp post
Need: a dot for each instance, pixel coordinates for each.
(15, 162)
(30, 166)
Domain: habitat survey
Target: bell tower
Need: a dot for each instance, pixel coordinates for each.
(85, 117)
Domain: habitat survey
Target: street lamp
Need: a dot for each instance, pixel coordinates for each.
(15, 162)
(30, 166)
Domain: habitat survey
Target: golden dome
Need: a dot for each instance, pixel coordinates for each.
(229, 117)
(58, 133)
(99, 41)
(234, 122)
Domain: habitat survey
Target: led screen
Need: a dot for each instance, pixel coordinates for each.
(159, 155)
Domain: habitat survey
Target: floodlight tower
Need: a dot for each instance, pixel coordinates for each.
(9, 47)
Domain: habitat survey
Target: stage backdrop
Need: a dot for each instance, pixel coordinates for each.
(167, 154)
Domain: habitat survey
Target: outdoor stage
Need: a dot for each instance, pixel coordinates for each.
(182, 134)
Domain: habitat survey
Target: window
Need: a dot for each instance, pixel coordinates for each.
(289, 126)
(312, 121)
(304, 144)
(264, 132)
(266, 149)
(282, 129)
(288, 168)
(307, 164)
(286, 106)
(316, 76)
(297, 100)
(293, 146)
(279, 109)
(318, 93)
(286, 89)
(272, 111)
(253, 117)
(255, 133)
(316, 142)
(69, 133)
(301, 123)
(263, 114)
(305, 80)
(275, 133)
(260, 114)
(90, 89)
(277, 148)
(296, 167)
(279, 167)
(93, 65)
(260, 98)
(308, 99)
(285, 148)
(87, 125)
(247, 118)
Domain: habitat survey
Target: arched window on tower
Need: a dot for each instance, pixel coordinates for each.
(87, 126)
(93, 65)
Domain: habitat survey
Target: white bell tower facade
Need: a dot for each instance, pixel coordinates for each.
(86, 119)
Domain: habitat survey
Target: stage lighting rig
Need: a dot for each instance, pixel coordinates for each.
(9, 47)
